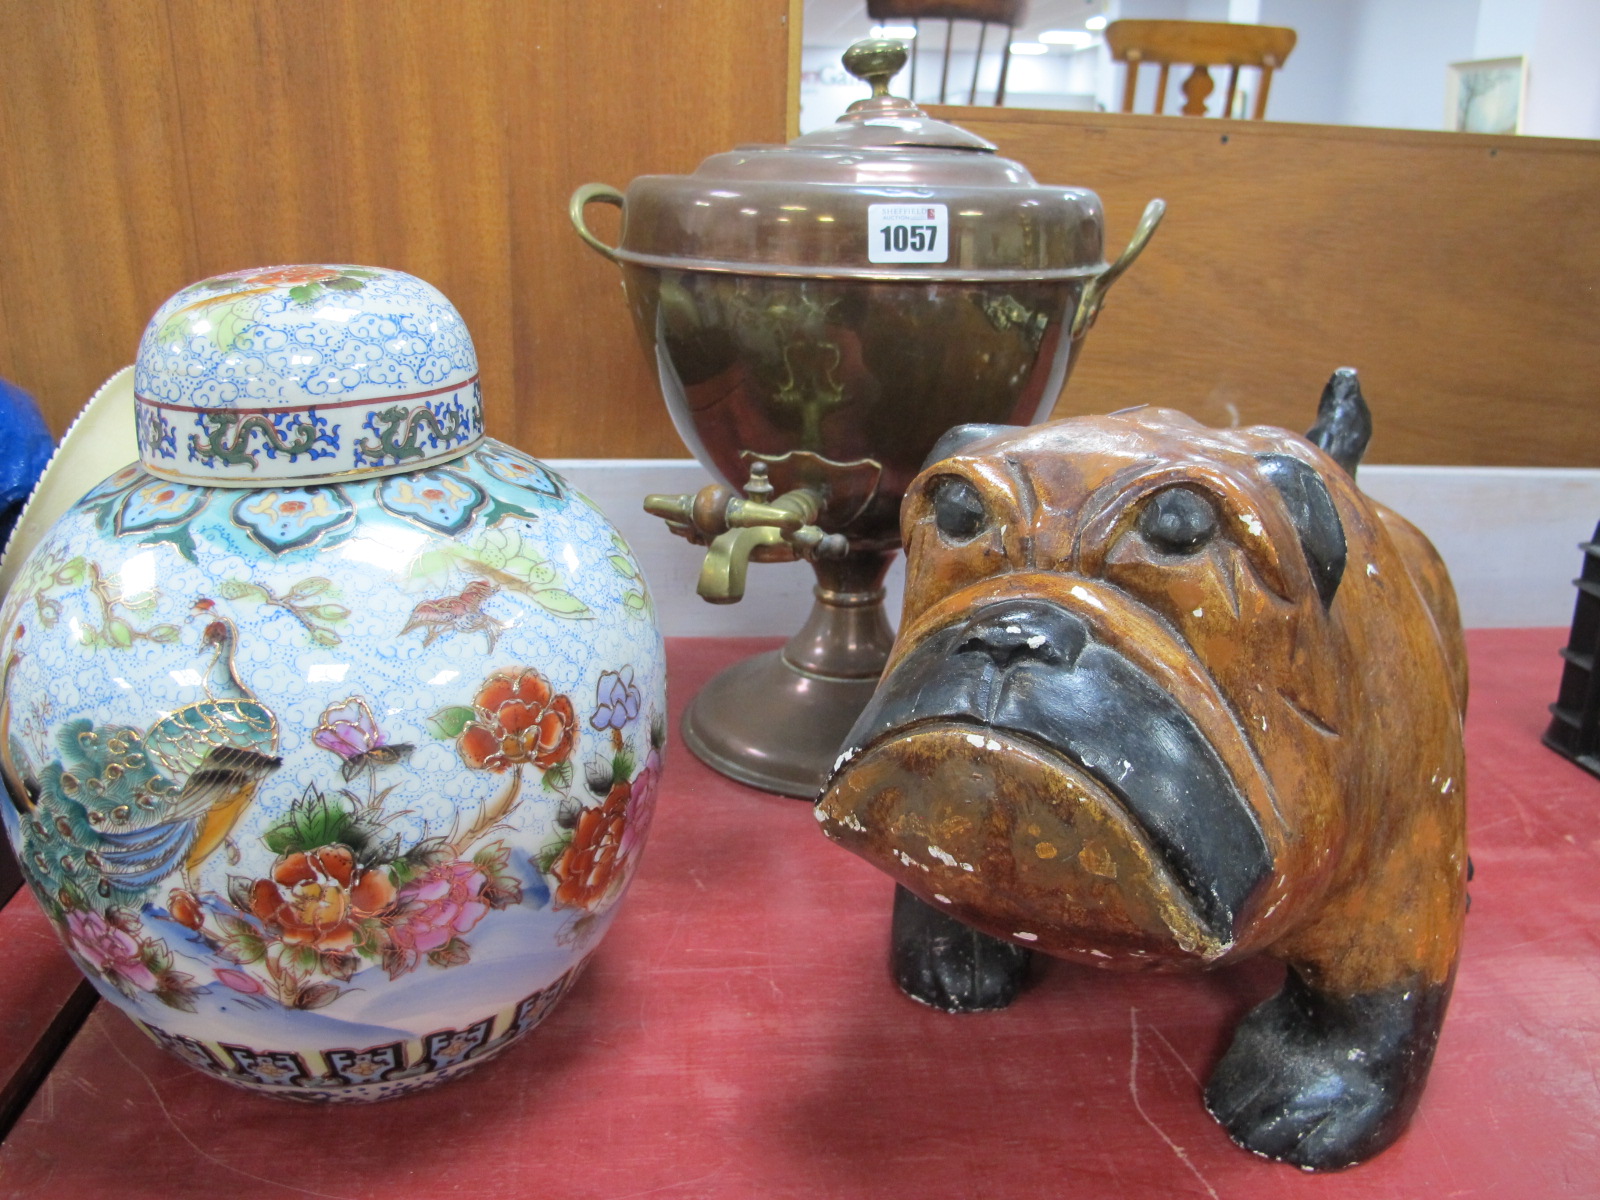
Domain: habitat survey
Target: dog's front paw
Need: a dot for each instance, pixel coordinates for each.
(950, 966)
(1322, 1082)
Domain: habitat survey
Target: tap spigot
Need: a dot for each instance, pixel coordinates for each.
(696, 516)
(737, 530)
(727, 561)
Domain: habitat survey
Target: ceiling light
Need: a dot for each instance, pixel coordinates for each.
(1095, 23)
(1076, 38)
(894, 31)
(1029, 48)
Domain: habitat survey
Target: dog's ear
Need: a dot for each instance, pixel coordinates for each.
(1344, 423)
(958, 437)
(1315, 518)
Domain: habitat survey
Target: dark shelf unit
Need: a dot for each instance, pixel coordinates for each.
(1574, 730)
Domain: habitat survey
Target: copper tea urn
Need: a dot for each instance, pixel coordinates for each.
(819, 314)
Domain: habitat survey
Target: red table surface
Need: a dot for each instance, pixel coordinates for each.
(737, 1036)
(37, 981)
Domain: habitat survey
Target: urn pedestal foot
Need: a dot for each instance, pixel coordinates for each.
(776, 721)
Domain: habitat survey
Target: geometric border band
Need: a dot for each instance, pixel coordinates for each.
(255, 447)
(370, 1072)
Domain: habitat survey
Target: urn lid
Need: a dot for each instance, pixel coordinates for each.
(886, 192)
(882, 120)
(308, 373)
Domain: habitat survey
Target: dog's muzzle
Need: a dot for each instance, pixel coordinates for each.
(1034, 672)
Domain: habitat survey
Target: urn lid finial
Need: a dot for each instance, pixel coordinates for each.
(883, 121)
(876, 61)
(311, 373)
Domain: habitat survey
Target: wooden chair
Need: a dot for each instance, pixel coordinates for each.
(1202, 44)
(1006, 13)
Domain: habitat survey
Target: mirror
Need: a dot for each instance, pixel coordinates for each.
(1479, 66)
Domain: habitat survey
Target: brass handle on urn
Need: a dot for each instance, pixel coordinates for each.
(737, 530)
(593, 193)
(1094, 294)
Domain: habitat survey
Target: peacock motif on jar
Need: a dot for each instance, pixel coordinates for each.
(332, 784)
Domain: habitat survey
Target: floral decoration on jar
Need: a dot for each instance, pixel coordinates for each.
(592, 862)
(433, 911)
(617, 700)
(280, 276)
(113, 946)
(317, 899)
(516, 718)
(348, 730)
(343, 892)
(242, 291)
(641, 805)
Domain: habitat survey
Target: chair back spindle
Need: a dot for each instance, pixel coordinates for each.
(1006, 14)
(1199, 45)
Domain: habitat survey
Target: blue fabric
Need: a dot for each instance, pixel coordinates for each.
(25, 447)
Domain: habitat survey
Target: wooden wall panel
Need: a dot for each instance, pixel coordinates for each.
(148, 143)
(93, 227)
(1459, 273)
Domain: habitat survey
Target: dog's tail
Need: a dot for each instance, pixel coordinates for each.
(1344, 423)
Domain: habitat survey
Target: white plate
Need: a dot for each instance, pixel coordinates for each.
(99, 442)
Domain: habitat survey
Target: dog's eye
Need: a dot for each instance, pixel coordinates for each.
(957, 508)
(1178, 521)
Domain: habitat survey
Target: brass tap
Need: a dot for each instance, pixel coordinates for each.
(736, 530)
(727, 562)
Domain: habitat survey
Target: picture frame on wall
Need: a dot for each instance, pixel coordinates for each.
(1486, 95)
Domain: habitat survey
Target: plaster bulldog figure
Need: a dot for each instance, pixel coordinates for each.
(1167, 696)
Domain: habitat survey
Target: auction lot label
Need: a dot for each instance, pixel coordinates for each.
(908, 233)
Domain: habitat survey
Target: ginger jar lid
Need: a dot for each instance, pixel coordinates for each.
(311, 373)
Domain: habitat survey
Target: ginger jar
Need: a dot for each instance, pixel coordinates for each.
(331, 729)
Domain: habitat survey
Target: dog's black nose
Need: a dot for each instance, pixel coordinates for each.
(1024, 631)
